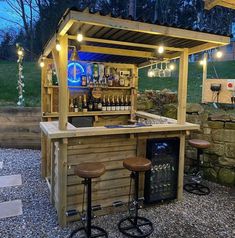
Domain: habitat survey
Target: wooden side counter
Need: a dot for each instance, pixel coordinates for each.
(63, 150)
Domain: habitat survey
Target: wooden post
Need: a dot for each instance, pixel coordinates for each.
(182, 87)
(62, 181)
(63, 85)
(204, 76)
(134, 86)
(181, 167)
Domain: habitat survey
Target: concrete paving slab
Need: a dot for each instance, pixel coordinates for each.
(10, 180)
(11, 209)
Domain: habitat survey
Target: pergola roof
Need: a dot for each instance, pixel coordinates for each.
(114, 39)
(224, 3)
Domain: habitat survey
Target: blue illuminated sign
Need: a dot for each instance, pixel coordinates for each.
(75, 71)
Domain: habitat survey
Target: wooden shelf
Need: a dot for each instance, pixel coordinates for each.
(85, 87)
(93, 113)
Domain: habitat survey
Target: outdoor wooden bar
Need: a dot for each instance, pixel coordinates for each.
(64, 145)
(109, 146)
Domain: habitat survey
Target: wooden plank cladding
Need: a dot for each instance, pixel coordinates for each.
(19, 128)
(110, 150)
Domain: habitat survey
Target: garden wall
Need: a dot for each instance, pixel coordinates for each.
(19, 128)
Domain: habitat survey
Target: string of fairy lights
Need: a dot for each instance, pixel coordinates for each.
(20, 82)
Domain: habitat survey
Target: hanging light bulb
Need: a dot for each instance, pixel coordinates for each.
(58, 46)
(172, 66)
(79, 36)
(160, 49)
(42, 64)
(219, 54)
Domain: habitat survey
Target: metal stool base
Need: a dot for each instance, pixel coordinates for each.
(142, 228)
(95, 232)
(197, 189)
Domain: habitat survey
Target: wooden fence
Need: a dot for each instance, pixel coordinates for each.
(19, 128)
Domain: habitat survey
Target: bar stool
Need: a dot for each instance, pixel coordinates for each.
(195, 186)
(134, 225)
(88, 171)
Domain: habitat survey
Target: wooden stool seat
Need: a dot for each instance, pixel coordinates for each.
(199, 144)
(89, 170)
(137, 164)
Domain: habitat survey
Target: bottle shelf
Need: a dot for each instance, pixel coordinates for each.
(85, 87)
(91, 113)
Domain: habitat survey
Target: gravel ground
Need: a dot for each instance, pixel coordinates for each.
(206, 216)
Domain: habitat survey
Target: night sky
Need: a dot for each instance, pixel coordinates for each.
(7, 13)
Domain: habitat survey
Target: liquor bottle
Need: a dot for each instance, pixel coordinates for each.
(122, 104)
(106, 75)
(104, 106)
(126, 104)
(110, 81)
(108, 104)
(113, 106)
(90, 104)
(116, 82)
(117, 106)
(84, 80)
(75, 103)
(80, 104)
(99, 104)
(84, 105)
(95, 105)
(95, 74)
(71, 106)
(122, 81)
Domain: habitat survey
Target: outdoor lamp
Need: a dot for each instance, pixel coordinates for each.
(58, 46)
(202, 62)
(42, 64)
(219, 54)
(172, 66)
(79, 36)
(160, 49)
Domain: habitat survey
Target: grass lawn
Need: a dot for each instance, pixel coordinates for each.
(31, 72)
(8, 82)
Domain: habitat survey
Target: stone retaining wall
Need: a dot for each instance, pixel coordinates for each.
(219, 130)
(19, 128)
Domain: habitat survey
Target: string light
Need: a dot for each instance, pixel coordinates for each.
(160, 49)
(42, 64)
(20, 52)
(79, 36)
(58, 46)
(219, 54)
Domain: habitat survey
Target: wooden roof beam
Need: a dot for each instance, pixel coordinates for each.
(116, 51)
(124, 43)
(117, 23)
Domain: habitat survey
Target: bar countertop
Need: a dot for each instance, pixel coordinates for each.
(50, 129)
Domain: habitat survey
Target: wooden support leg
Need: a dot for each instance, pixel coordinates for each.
(43, 155)
(62, 182)
(181, 168)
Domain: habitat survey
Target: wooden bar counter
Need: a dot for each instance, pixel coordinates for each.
(63, 149)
